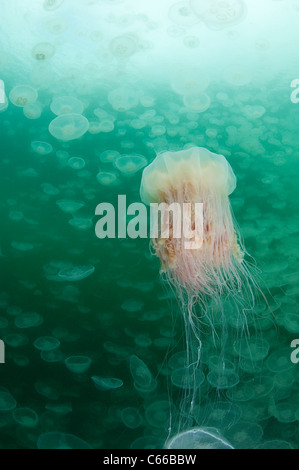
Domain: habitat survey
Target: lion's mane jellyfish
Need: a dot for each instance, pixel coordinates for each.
(210, 276)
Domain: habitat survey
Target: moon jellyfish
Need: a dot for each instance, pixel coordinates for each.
(76, 273)
(128, 165)
(198, 102)
(32, 110)
(68, 206)
(21, 95)
(56, 25)
(51, 5)
(181, 14)
(106, 383)
(238, 75)
(43, 51)
(122, 99)
(7, 401)
(123, 46)
(107, 178)
(66, 105)
(25, 417)
(78, 364)
(60, 440)
(209, 275)
(77, 163)
(42, 148)
(68, 127)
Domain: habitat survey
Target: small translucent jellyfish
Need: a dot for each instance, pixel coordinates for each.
(15, 340)
(108, 178)
(56, 24)
(7, 401)
(3, 323)
(158, 130)
(77, 163)
(106, 383)
(78, 364)
(220, 415)
(279, 360)
(132, 305)
(198, 102)
(28, 320)
(180, 378)
(256, 348)
(63, 408)
(275, 444)
(25, 417)
(182, 14)
(43, 51)
(94, 127)
(66, 105)
(42, 148)
(68, 206)
(199, 438)
(22, 95)
(81, 223)
(76, 273)
(51, 5)
(192, 42)
(131, 417)
(218, 14)
(22, 246)
(106, 125)
(254, 112)
(32, 110)
(68, 127)
(46, 343)
(128, 165)
(189, 81)
(50, 189)
(237, 74)
(55, 355)
(60, 440)
(123, 98)
(123, 46)
(157, 414)
(244, 435)
(108, 156)
(142, 376)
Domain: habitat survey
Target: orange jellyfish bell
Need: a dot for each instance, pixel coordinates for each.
(191, 176)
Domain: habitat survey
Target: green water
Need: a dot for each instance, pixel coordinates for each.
(166, 66)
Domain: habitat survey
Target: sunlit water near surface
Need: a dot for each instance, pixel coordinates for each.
(95, 344)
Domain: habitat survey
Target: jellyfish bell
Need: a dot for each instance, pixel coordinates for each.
(67, 105)
(43, 51)
(21, 95)
(68, 127)
(199, 438)
(190, 176)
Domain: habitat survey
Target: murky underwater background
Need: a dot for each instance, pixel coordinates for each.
(94, 339)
